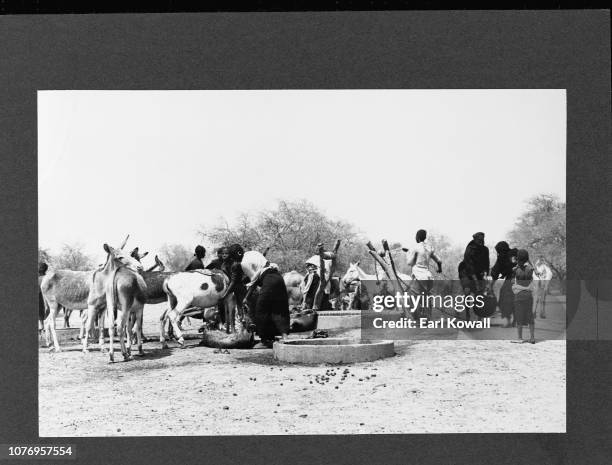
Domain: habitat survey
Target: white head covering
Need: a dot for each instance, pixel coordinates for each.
(254, 264)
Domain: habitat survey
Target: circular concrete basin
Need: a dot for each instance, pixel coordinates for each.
(332, 350)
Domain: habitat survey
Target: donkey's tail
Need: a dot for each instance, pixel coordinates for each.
(171, 297)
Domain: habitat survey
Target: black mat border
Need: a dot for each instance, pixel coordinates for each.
(508, 49)
(177, 6)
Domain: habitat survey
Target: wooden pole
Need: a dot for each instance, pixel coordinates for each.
(383, 264)
(320, 290)
(400, 282)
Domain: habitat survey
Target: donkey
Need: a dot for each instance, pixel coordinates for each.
(65, 289)
(358, 297)
(118, 286)
(355, 273)
(154, 278)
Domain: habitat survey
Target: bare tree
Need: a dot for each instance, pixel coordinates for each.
(541, 229)
(292, 231)
(72, 257)
(45, 256)
(175, 256)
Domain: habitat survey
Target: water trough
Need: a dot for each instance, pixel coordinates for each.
(332, 350)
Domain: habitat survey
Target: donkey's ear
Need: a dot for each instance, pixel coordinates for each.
(357, 263)
(107, 248)
(144, 255)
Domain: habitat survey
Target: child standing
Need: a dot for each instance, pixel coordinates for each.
(523, 296)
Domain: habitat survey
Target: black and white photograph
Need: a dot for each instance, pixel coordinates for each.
(340, 233)
(206, 260)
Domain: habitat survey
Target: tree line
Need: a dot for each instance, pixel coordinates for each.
(292, 230)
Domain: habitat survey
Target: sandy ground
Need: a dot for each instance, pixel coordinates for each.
(430, 386)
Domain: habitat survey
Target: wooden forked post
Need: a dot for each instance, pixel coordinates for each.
(400, 281)
(398, 284)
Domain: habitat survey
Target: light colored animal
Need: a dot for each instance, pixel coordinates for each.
(191, 291)
(293, 282)
(67, 290)
(541, 278)
(118, 286)
(352, 280)
(63, 288)
(356, 273)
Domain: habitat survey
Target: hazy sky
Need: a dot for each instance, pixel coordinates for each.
(159, 164)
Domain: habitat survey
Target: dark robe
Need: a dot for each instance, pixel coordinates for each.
(195, 264)
(236, 275)
(216, 264)
(523, 301)
(272, 306)
(312, 291)
(475, 262)
(503, 269)
(476, 259)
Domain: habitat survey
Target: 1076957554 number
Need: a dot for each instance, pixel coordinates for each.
(34, 451)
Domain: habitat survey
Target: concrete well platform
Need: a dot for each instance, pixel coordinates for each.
(346, 319)
(332, 350)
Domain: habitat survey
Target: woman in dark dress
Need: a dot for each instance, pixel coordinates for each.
(523, 297)
(503, 270)
(271, 306)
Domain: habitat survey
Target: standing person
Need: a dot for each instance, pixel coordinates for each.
(543, 275)
(474, 267)
(503, 269)
(310, 284)
(523, 297)
(271, 315)
(233, 268)
(418, 259)
(217, 263)
(198, 260)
